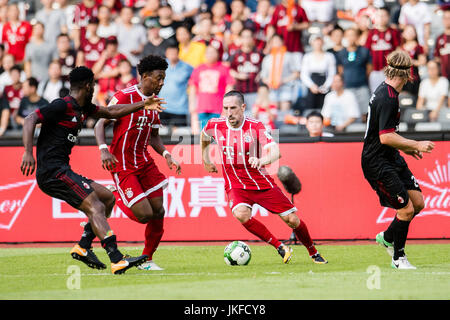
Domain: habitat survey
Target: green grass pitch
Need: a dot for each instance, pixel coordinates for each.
(199, 272)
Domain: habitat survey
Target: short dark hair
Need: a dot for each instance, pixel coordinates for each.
(173, 46)
(80, 76)
(32, 82)
(314, 113)
(62, 35)
(17, 68)
(151, 63)
(235, 93)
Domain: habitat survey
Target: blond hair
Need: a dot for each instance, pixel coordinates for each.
(399, 64)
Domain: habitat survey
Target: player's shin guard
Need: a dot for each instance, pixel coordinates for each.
(258, 229)
(110, 245)
(153, 234)
(303, 235)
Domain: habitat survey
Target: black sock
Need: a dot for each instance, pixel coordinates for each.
(400, 235)
(110, 245)
(389, 233)
(87, 237)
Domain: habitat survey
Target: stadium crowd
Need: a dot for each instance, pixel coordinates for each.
(289, 58)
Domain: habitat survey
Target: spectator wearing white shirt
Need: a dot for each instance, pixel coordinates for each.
(433, 91)
(54, 87)
(317, 71)
(106, 27)
(184, 9)
(340, 108)
(418, 14)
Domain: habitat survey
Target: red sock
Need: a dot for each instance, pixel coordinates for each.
(259, 230)
(303, 235)
(153, 234)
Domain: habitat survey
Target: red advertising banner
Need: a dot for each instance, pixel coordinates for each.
(336, 201)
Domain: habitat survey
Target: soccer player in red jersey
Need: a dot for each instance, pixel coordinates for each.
(15, 33)
(138, 182)
(246, 147)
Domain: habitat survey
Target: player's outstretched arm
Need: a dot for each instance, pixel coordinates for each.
(120, 110)
(205, 142)
(28, 163)
(408, 146)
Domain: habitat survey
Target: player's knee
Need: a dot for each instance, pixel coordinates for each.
(293, 221)
(406, 213)
(242, 213)
(158, 213)
(418, 206)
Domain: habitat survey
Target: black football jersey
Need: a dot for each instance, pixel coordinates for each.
(62, 120)
(383, 117)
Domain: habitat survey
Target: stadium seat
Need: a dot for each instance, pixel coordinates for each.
(403, 127)
(356, 127)
(444, 115)
(412, 116)
(428, 126)
(289, 129)
(407, 100)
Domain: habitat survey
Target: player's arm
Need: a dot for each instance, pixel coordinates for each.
(408, 146)
(29, 125)
(205, 142)
(120, 110)
(157, 145)
(108, 159)
(270, 155)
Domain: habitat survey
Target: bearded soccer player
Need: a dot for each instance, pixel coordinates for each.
(61, 121)
(138, 182)
(383, 166)
(246, 147)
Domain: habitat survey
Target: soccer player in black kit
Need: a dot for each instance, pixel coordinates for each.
(61, 122)
(383, 166)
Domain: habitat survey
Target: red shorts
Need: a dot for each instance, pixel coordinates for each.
(272, 200)
(145, 182)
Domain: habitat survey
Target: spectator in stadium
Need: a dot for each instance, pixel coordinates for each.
(433, 91)
(232, 39)
(91, 46)
(442, 48)
(418, 57)
(369, 10)
(315, 125)
(8, 63)
(207, 85)
(239, 12)
(156, 44)
(418, 14)
(125, 78)
(340, 108)
(317, 72)
(245, 67)
(84, 12)
(191, 52)
(219, 19)
(15, 33)
(321, 11)
(30, 101)
(203, 30)
(364, 25)
(264, 109)
(38, 54)
(54, 87)
(184, 10)
(279, 71)
(289, 22)
(106, 26)
(131, 37)
(5, 114)
(336, 36)
(261, 20)
(3, 17)
(149, 11)
(69, 12)
(381, 41)
(114, 6)
(106, 70)
(13, 92)
(167, 21)
(65, 55)
(354, 64)
(54, 21)
(175, 89)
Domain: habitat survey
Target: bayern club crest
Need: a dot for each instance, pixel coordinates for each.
(129, 193)
(247, 138)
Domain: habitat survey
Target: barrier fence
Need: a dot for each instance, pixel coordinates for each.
(336, 201)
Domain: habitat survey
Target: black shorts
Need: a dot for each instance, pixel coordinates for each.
(64, 184)
(392, 186)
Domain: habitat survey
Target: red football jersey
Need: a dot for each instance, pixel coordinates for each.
(14, 96)
(92, 51)
(16, 38)
(108, 84)
(442, 51)
(380, 44)
(237, 145)
(132, 133)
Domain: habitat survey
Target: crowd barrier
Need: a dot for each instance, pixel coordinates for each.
(336, 201)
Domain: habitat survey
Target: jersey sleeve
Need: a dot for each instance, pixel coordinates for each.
(91, 109)
(264, 136)
(387, 120)
(208, 130)
(53, 111)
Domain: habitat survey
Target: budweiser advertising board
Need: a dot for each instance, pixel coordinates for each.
(336, 201)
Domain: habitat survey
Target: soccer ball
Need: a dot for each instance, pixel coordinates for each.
(237, 253)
